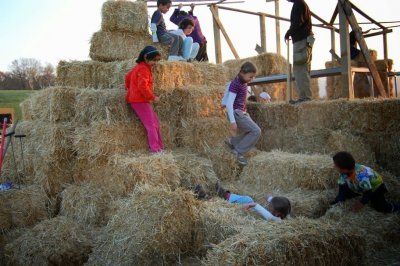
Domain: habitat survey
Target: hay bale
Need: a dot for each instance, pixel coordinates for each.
(344, 141)
(195, 170)
(102, 106)
(225, 164)
(379, 231)
(153, 226)
(93, 74)
(23, 207)
(86, 204)
(47, 153)
(53, 104)
(201, 134)
(282, 170)
(294, 242)
(220, 220)
(124, 16)
(58, 241)
(107, 46)
(119, 174)
(200, 101)
(101, 139)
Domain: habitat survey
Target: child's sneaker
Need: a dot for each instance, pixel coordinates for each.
(241, 160)
(228, 143)
(200, 193)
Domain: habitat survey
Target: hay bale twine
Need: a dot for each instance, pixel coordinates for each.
(24, 207)
(124, 16)
(58, 241)
(86, 204)
(293, 242)
(152, 226)
(282, 170)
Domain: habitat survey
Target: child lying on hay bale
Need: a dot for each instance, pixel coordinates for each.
(279, 207)
(356, 179)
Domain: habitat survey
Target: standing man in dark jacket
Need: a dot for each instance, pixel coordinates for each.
(197, 34)
(303, 39)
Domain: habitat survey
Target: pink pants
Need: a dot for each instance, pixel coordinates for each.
(150, 121)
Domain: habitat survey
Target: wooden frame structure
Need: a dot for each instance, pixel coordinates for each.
(344, 9)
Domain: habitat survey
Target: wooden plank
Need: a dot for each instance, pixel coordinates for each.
(217, 36)
(334, 15)
(319, 73)
(347, 84)
(277, 29)
(263, 33)
(203, 4)
(363, 45)
(221, 27)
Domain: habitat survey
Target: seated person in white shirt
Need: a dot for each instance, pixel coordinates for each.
(189, 49)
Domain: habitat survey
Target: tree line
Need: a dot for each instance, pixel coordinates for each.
(27, 74)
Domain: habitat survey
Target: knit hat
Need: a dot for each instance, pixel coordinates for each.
(149, 49)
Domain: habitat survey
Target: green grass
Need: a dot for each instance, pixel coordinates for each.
(12, 98)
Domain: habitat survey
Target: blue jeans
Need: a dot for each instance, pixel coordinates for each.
(189, 48)
(234, 198)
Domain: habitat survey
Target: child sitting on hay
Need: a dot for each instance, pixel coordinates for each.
(190, 49)
(235, 102)
(359, 180)
(279, 207)
(160, 33)
(139, 87)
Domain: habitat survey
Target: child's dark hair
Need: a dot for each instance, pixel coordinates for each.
(281, 205)
(248, 67)
(163, 2)
(252, 98)
(183, 13)
(185, 23)
(344, 160)
(148, 53)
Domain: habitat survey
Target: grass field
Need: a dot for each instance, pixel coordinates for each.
(12, 98)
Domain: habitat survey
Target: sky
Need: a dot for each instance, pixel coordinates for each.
(50, 30)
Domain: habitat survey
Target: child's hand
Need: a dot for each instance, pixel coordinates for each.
(357, 206)
(234, 127)
(248, 206)
(180, 6)
(156, 99)
(192, 5)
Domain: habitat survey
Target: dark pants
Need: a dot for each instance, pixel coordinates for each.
(202, 54)
(376, 198)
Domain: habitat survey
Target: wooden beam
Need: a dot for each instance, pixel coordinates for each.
(204, 4)
(347, 85)
(334, 15)
(277, 28)
(263, 33)
(217, 36)
(347, 9)
(221, 27)
(366, 16)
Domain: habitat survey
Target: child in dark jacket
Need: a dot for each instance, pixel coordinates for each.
(139, 87)
(360, 180)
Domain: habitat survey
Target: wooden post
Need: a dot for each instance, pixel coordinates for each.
(221, 27)
(347, 84)
(277, 29)
(217, 35)
(385, 50)
(347, 10)
(333, 44)
(263, 33)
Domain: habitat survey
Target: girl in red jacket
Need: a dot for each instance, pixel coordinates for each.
(139, 86)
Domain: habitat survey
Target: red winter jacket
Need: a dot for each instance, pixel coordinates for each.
(139, 84)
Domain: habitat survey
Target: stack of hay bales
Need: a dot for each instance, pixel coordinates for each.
(362, 86)
(124, 31)
(268, 64)
(363, 127)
